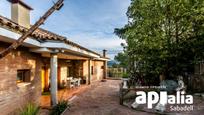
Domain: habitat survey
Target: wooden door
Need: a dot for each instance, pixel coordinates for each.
(44, 79)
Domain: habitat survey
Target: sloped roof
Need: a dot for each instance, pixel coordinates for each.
(40, 34)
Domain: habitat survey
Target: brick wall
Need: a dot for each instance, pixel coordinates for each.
(13, 95)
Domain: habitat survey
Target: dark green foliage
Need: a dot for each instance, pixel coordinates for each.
(122, 58)
(126, 75)
(164, 37)
(59, 108)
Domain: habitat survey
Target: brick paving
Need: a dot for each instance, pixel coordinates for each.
(101, 98)
(63, 94)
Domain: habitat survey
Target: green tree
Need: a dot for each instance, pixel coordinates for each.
(122, 59)
(164, 37)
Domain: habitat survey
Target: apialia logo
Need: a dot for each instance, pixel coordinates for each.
(153, 97)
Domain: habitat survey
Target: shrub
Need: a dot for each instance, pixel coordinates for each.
(45, 93)
(30, 109)
(125, 75)
(60, 107)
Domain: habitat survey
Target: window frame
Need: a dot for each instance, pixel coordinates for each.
(25, 76)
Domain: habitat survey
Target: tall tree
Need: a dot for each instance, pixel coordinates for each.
(164, 37)
(122, 57)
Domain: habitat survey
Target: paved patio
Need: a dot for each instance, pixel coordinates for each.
(63, 94)
(101, 98)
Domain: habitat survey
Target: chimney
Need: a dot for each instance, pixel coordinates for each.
(20, 13)
(104, 53)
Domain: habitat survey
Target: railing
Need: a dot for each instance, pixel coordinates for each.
(116, 72)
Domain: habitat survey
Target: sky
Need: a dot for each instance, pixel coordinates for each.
(90, 23)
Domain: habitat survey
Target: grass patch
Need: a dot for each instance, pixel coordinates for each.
(30, 109)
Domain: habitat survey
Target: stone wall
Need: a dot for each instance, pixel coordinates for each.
(63, 74)
(76, 69)
(97, 70)
(85, 70)
(15, 95)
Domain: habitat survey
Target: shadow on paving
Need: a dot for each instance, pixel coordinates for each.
(101, 98)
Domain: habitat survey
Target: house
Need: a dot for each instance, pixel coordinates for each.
(43, 62)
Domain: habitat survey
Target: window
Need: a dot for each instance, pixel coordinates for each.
(23, 76)
(102, 67)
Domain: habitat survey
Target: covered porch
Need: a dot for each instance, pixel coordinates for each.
(63, 76)
(62, 94)
(65, 61)
(70, 74)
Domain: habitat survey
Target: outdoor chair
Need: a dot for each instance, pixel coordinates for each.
(70, 82)
(77, 81)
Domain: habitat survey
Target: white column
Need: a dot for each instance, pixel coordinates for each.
(53, 79)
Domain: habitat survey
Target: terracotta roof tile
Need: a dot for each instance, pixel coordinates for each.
(39, 34)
